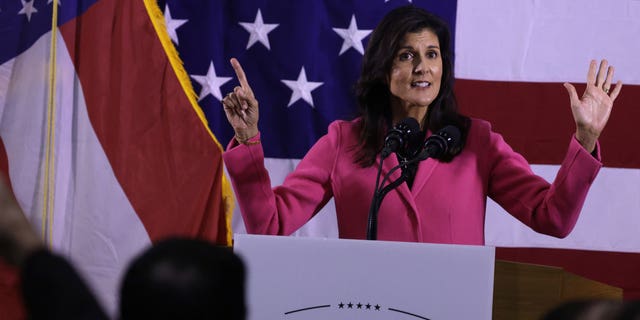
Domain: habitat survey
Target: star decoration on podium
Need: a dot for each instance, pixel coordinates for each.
(358, 306)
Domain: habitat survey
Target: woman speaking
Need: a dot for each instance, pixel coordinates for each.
(407, 72)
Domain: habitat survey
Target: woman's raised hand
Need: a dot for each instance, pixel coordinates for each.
(591, 111)
(241, 106)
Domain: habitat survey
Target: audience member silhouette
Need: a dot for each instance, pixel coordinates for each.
(184, 279)
(174, 279)
(595, 310)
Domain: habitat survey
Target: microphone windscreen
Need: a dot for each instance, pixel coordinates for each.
(409, 125)
(412, 137)
(452, 135)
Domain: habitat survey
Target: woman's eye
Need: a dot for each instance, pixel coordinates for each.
(404, 56)
(432, 54)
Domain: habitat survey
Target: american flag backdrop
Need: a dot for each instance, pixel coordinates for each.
(302, 59)
(114, 169)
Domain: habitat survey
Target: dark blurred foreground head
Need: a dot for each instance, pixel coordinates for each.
(184, 279)
(596, 310)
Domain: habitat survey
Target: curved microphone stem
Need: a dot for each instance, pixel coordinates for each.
(380, 192)
(372, 221)
(392, 186)
(394, 169)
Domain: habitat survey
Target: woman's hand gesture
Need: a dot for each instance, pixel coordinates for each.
(591, 111)
(241, 107)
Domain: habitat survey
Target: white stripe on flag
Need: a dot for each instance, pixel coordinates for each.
(608, 221)
(546, 41)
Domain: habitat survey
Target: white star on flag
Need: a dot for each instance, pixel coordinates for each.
(27, 9)
(172, 24)
(211, 83)
(352, 36)
(301, 88)
(258, 30)
(59, 2)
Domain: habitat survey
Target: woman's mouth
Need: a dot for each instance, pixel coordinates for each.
(420, 84)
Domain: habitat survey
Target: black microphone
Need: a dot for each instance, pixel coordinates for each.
(400, 136)
(438, 145)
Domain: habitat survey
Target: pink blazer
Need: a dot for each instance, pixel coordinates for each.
(446, 204)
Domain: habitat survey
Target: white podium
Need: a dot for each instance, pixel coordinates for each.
(321, 279)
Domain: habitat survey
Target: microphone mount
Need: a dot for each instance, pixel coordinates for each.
(436, 146)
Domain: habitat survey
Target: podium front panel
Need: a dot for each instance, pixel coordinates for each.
(319, 279)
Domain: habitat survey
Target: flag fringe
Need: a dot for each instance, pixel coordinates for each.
(157, 19)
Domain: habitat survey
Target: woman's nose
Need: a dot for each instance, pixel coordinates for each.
(419, 66)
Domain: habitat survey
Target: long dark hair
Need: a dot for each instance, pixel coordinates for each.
(372, 88)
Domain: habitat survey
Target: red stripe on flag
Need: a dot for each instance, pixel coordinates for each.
(536, 120)
(166, 162)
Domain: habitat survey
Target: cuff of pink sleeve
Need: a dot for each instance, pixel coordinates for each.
(595, 155)
(251, 141)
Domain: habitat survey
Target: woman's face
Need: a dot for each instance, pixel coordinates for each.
(415, 75)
